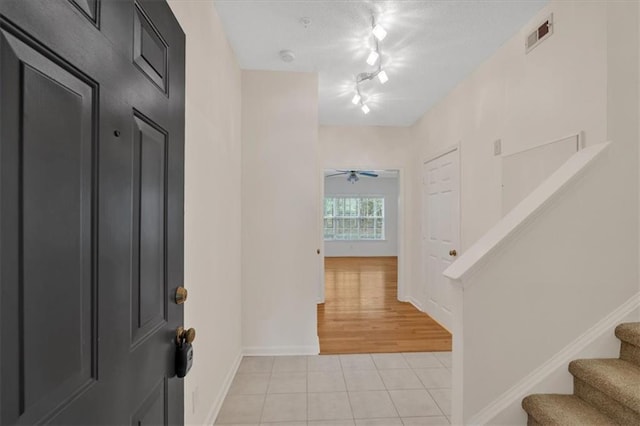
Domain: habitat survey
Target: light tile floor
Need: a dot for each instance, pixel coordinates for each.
(410, 389)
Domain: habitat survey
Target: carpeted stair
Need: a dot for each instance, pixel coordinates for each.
(605, 391)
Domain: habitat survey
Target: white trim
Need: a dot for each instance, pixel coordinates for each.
(521, 215)
(217, 403)
(416, 304)
(579, 143)
(441, 153)
(283, 350)
(321, 246)
(401, 237)
(562, 358)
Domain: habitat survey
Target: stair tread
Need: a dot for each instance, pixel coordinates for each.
(629, 332)
(614, 377)
(556, 409)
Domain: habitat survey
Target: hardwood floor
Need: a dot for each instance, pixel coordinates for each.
(362, 314)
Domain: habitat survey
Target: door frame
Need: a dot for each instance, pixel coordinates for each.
(403, 261)
(427, 159)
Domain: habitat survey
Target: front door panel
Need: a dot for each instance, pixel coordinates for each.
(48, 194)
(149, 229)
(91, 202)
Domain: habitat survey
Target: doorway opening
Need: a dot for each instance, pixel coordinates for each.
(360, 309)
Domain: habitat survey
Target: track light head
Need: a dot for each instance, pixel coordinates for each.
(383, 77)
(379, 32)
(365, 109)
(356, 99)
(373, 57)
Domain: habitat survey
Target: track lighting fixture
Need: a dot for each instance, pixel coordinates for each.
(375, 57)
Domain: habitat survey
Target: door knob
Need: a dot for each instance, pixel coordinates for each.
(453, 253)
(187, 335)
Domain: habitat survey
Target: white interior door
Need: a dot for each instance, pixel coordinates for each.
(441, 236)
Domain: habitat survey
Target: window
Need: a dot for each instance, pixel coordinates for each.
(354, 218)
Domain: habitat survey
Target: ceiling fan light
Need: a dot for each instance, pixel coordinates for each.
(373, 58)
(356, 99)
(379, 32)
(365, 109)
(383, 77)
(353, 178)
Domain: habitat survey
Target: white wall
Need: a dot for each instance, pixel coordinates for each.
(547, 284)
(280, 212)
(558, 89)
(212, 234)
(371, 147)
(584, 77)
(387, 187)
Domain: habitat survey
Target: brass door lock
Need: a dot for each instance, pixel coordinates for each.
(181, 295)
(184, 350)
(453, 253)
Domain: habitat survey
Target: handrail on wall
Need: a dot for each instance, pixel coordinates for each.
(478, 254)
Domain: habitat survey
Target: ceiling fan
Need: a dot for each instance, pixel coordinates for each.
(353, 174)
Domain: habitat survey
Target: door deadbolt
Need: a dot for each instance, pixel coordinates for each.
(181, 295)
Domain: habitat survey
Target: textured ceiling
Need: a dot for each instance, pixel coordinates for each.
(431, 46)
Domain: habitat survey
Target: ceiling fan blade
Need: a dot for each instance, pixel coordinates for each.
(337, 174)
(370, 174)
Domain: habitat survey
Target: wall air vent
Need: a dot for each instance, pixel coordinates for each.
(541, 33)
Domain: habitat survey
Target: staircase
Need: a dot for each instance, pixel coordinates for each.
(605, 391)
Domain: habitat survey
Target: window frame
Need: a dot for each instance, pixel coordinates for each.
(358, 217)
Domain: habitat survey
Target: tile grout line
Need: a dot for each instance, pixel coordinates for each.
(266, 392)
(392, 402)
(377, 368)
(387, 390)
(438, 405)
(344, 380)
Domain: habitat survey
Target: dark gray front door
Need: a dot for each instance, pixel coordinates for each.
(91, 211)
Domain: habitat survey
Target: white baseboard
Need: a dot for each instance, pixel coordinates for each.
(283, 350)
(415, 303)
(217, 404)
(419, 307)
(255, 351)
(559, 361)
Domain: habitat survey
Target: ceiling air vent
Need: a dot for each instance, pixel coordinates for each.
(544, 31)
